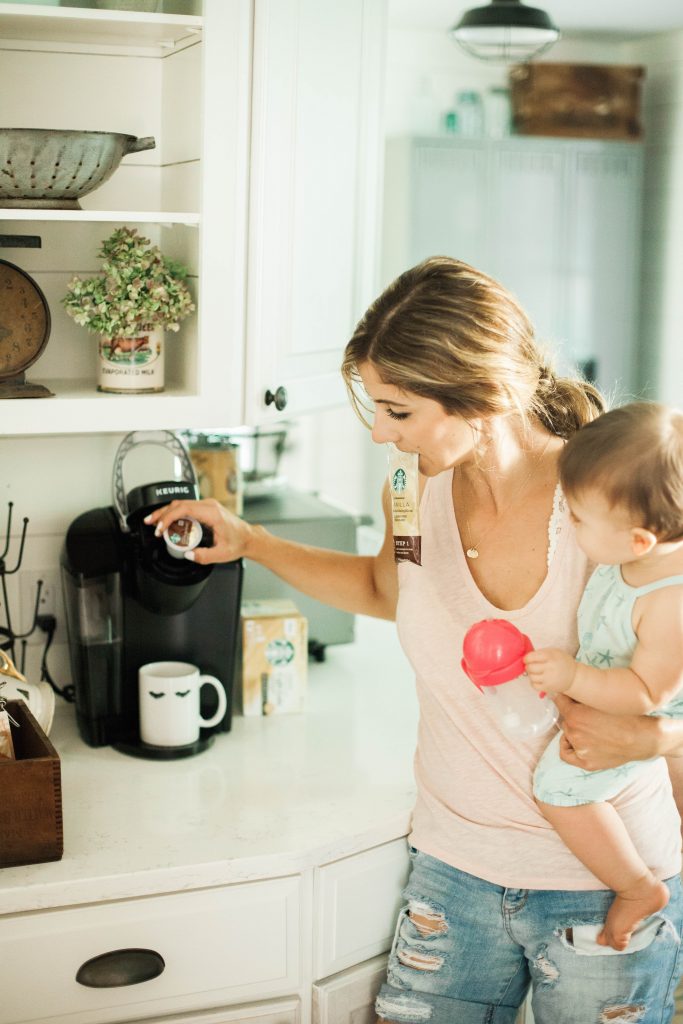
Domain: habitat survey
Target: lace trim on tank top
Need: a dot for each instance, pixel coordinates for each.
(558, 518)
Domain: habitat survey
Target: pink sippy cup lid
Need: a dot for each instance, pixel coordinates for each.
(493, 652)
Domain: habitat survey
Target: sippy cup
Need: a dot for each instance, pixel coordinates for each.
(493, 650)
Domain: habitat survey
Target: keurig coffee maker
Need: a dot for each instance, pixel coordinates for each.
(130, 600)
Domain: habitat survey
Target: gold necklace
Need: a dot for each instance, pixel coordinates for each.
(472, 551)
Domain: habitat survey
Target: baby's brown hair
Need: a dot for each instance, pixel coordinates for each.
(633, 455)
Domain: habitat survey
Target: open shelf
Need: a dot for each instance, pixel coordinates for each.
(99, 216)
(77, 403)
(100, 28)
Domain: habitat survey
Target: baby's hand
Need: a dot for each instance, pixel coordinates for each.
(550, 670)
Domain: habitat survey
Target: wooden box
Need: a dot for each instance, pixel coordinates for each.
(599, 101)
(30, 795)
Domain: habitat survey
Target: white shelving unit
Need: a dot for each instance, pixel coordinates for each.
(20, 23)
(264, 182)
(184, 80)
(102, 216)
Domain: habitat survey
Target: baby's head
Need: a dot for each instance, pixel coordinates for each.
(622, 475)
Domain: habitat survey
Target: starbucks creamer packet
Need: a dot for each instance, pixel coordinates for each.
(405, 505)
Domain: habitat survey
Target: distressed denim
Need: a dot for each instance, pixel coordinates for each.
(466, 951)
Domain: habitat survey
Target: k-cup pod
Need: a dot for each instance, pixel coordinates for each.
(182, 535)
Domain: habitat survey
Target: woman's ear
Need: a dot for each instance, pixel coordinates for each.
(642, 541)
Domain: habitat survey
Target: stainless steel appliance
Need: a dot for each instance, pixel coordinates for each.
(306, 518)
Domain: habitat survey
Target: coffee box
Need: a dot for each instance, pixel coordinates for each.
(274, 657)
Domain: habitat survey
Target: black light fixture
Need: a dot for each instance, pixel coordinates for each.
(505, 31)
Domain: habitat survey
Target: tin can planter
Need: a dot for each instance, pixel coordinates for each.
(132, 365)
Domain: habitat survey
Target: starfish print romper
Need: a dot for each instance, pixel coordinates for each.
(607, 641)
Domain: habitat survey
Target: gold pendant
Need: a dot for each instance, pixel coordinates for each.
(472, 553)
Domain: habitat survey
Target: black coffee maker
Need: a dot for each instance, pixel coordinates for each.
(129, 601)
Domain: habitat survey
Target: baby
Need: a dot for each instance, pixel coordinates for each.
(622, 476)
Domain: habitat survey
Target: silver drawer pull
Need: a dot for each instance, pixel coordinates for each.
(120, 967)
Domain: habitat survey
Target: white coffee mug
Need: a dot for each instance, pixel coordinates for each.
(169, 703)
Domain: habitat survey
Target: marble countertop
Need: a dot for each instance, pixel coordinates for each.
(272, 797)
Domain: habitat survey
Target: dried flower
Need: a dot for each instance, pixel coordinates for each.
(139, 289)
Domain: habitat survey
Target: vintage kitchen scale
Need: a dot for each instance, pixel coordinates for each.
(24, 324)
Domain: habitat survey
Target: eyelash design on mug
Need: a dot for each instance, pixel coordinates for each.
(156, 695)
(181, 693)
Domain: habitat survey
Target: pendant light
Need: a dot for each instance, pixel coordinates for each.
(505, 31)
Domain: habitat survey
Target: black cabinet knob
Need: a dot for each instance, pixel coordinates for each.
(278, 398)
(120, 967)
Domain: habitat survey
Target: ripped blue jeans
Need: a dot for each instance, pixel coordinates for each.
(466, 951)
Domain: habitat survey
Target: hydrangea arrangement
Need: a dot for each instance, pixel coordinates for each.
(139, 289)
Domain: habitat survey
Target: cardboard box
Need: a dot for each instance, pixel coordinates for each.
(31, 828)
(598, 101)
(274, 657)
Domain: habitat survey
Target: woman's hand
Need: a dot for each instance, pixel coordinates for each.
(231, 536)
(594, 739)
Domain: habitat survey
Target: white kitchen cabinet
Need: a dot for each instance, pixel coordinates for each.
(315, 176)
(270, 199)
(349, 997)
(276, 1011)
(230, 865)
(557, 221)
(199, 949)
(229, 946)
(357, 900)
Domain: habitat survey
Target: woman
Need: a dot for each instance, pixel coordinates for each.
(494, 900)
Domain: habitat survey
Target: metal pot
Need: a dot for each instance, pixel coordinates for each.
(42, 168)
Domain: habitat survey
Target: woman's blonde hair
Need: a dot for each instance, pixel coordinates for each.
(445, 331)
(634, 457)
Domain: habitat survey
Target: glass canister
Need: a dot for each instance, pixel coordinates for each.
(470, 114)
(493, 653)
(498, 112)
(217, 464)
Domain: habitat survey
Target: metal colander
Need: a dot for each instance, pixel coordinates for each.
(51, 169)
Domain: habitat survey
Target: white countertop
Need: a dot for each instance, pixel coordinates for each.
(272, 797)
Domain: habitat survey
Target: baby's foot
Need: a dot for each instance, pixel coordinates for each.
(631, 906)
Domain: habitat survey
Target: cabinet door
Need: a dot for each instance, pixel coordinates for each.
(314, 187)
(557, 221)
(357, 902)
(603, 242)
(525, 240)
(163, 954)
(277, 1011)
(450, 202)
(349, 997)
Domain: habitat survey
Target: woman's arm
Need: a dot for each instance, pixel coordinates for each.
(354, 583)
(594, 740)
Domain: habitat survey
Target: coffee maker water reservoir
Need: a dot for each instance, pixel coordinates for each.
(129, 602)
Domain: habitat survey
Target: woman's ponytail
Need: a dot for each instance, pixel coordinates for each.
(565, 404)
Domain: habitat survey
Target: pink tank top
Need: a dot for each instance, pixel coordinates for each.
(475, 809)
